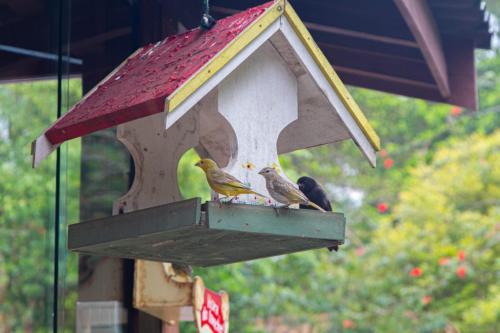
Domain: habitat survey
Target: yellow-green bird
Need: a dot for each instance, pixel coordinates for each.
(222, 182)
(283, 191)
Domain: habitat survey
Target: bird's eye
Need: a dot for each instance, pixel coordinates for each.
(267, 171)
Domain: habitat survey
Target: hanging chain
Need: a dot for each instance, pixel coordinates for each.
(206, 7)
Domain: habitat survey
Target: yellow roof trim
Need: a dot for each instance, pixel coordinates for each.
(331, 75)
(279, 8)
(229, 52)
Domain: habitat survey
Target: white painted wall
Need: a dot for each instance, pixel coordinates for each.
(258, 100)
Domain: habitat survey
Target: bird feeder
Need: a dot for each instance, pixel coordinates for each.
(252, 87)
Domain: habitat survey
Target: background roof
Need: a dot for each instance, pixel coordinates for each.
(374, 46)
(384, 46)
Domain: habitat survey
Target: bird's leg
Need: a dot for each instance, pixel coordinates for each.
(276, 208)
(228, 200)
(218, 201)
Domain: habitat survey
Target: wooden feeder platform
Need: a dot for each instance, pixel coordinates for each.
(207, 235)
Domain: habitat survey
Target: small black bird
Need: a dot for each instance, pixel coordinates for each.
(316, 194)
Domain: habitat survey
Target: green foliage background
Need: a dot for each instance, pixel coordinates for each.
(443, 194)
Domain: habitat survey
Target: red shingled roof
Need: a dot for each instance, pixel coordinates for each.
(139, 87)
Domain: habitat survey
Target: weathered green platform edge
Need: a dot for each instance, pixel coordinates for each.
(283, 222)
(207, 235)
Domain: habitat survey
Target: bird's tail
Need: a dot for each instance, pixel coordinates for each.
(312, 204)
(333, 248)
(258, 194)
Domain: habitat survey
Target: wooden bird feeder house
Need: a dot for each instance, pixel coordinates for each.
(254, 86)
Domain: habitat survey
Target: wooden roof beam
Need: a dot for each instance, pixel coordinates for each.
(358, 34)
(24, 7)
(456, 3)
(378, 63)
(358, 77)
(418, 16)
(462, 78)
(336, 30)
(330, 40)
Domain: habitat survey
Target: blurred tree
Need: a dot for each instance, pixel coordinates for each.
(367, 285)
(436, 267)
(26, 206)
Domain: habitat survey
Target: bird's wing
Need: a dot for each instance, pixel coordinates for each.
(223, 178)
(318, 196)
(310, 203)
(289, 191)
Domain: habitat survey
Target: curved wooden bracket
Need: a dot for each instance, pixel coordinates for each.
(156, 153)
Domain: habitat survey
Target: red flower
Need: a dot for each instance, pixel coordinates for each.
(461, 255)
(416, 272)
(461, 271)
(382, 207)
(455, 111)
(360, 251)
(347, 323)
(383, 153)
(426, 299)
(388, 163)
(443, 261)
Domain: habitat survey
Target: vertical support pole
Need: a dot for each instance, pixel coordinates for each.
(57, 221)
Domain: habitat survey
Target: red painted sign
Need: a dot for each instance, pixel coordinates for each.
(210, 309)
(211, 313)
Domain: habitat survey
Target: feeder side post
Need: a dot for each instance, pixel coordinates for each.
(156, 153)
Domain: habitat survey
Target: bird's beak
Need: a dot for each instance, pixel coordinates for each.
(261, 172)
(197, 164)
(301, 186)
